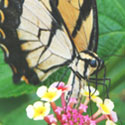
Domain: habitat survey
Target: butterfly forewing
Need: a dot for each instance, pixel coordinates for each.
(80, 17)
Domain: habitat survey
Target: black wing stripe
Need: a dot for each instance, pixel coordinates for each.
(84, 12)
(12, 13)
(94, 34)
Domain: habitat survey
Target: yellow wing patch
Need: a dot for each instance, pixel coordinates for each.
(75, 3)
(70, 12)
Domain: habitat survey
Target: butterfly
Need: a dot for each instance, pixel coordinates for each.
(40, 36)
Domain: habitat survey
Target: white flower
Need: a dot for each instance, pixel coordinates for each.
(92, 93)
(114, 116)
(105, 107)
(30, 111)
(41, 90)
(38, 110)
(98, 100)
(50, 94)
(109, 122)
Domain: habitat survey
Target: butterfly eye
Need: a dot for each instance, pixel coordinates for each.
(93, 63)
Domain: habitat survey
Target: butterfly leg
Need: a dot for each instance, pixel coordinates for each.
(99, 83)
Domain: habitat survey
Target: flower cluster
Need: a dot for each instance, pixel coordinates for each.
(72, 116)
(72, 113)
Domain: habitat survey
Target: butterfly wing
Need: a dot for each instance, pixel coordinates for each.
(81, 19)
(34, 39)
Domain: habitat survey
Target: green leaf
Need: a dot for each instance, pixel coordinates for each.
(111, 27)
(13, 111)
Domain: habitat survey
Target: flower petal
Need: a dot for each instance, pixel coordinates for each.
(57, 84)
(47, 105)
(38, 104)
(30, 111)
(41, 90)
(109, 122)
(109, 104)
(38, 110)
(114, 116)
(38, 117)
(98, 101)
(51, 95)
(88, 89)
(52, 119)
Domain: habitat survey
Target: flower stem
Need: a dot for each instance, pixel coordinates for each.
(53, 105)
(95, 115)
(47, 119)
(63, 100)
(101, 118)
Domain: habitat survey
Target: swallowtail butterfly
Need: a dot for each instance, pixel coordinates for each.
(40, 36)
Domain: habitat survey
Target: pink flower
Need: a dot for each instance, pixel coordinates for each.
(92, 122)
(86, 118)
(60, 86)
(83, 108)
(71, 122)
(68, 109)
(66, 124)
(73, 100)
(64, 118)
(52, 119)
(58, 110)
(73, 112)
(68, 114)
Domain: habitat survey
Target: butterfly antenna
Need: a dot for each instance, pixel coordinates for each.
(96, 84)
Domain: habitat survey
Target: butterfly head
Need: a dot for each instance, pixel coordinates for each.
(86, 64)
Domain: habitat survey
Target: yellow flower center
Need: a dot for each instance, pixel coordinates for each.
(50, 95)
(105, 108)
(40, 111)
(87, 94)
